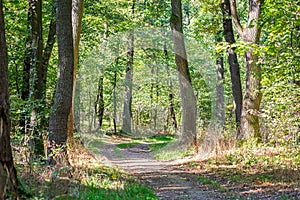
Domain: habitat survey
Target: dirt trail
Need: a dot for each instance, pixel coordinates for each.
(169, 183)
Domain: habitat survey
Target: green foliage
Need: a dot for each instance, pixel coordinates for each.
(171, 151)
(161, 138)
(127, 145)
(104, 189)
(280, 61)
(158, 146)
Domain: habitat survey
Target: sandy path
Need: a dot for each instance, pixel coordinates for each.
(169, 183)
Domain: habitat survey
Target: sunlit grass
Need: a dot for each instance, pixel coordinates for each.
(172, 151)
(127, 145)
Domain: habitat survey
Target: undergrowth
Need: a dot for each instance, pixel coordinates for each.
(253, 171)
(84, 178)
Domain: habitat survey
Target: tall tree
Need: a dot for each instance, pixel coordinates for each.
(127, 112)
(99, 104)
(220, 102)
(77, 12)
(33, 73)
(233, 64)
(25, 90)
(58, 123)
(252, 96)
(8, 172)
(37, 71)
(188, 100)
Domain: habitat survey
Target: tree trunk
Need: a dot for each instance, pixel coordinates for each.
(115, 101)
(114, 91)
(28, 56)
(220, 102)
(233, 63)
(8, 172)
(99, 104)
(37, 74)
(252, 96)
(127, 111)
(188, 100)
(77, 12)
(32, 78)
(58, 123)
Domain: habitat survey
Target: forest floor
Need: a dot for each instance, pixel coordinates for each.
(196, 180)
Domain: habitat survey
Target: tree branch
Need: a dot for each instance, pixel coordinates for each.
(235, 17)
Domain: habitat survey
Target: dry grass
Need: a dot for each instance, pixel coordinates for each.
(251, 172)
(85, 177)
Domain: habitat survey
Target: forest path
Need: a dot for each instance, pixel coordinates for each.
(169, 182)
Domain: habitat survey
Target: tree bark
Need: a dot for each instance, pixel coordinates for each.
(188, 100)
(127, 111)
(77, 12)
(58, 123)
(235, 76)
(252, 97)
(8, 172)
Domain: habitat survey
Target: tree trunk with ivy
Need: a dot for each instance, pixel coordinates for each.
(37, 74)
(8, 174)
